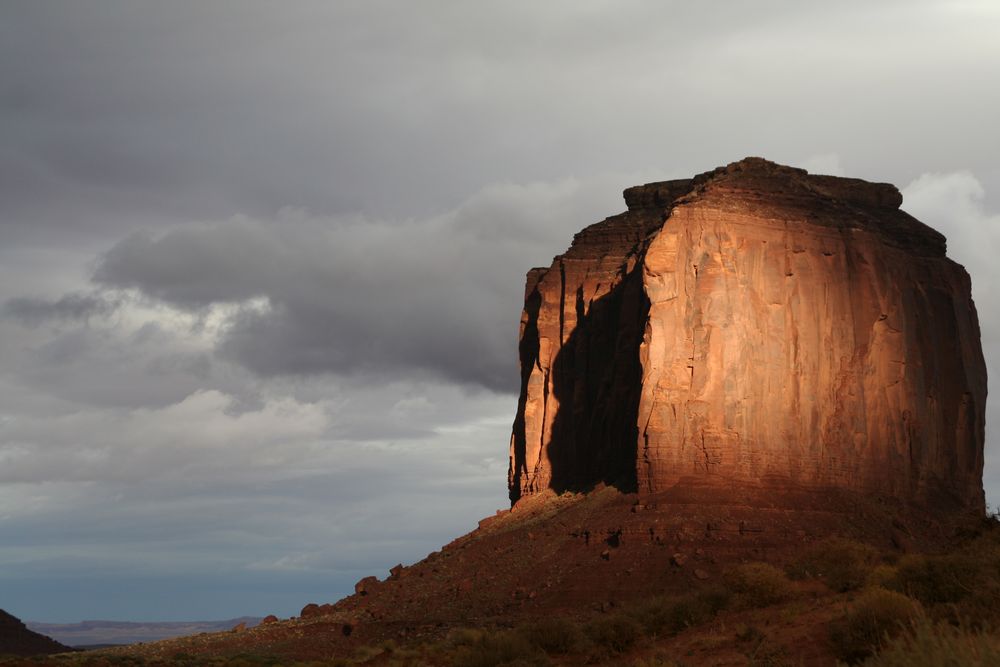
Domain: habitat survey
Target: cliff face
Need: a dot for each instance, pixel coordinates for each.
(755, 326)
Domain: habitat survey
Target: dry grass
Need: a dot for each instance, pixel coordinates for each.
(875, 616)
(941, 645)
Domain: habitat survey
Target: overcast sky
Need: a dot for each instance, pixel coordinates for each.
(261, 263)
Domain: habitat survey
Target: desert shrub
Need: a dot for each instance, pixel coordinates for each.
(882, 575)
(876, 615)
(554, 635)
(757, 585)
(936, 579)
(491, 649)
(841, 564)
(961, 586)
(670, 615)
(616, 632)
(464, 636)
(929, 645)
(715, 598)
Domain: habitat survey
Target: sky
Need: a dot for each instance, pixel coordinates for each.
(262, 263)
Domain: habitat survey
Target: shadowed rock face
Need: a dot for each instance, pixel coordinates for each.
(753, 327)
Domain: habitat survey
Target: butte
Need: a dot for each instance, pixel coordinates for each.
(756, 334)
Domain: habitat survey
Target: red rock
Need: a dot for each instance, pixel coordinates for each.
(678, 559)
(239, 627)
(396, 572)
(267, 620)
(366, 585)
(701, 574)
(310, 610)
(753, 327)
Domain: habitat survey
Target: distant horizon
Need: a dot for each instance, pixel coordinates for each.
(262, 267)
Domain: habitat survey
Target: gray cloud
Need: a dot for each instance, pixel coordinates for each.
(441, 295)
(399, 112)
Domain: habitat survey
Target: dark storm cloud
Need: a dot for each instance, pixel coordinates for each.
(154, 112)
(440, 295)
(33, 311)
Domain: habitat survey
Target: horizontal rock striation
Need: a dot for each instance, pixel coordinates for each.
(755, 326)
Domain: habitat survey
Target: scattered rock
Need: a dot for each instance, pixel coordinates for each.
(678, 559)
(366, 585)
(239, 627)
(313, 610)
(701, 574)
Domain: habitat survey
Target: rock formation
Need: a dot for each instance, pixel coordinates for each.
(753, 327)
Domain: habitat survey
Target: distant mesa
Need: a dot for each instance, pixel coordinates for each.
(757, 331)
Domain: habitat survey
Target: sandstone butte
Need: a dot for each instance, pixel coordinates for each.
(754, 329)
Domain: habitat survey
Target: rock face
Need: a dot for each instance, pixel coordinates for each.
(755, 326)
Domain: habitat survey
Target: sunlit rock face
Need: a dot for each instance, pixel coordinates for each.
(755, 326)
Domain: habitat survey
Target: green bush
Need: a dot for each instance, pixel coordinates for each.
(617, 632)
(491, 649)
(936, 579)
(554, 635)
(670, 615)
(955, 587)
(757, 585)
(876, 615)
(843, 565)
(928, 645)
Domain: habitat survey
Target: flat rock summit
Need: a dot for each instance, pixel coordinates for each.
(754, 329)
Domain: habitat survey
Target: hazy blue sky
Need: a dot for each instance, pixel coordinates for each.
(261, 263)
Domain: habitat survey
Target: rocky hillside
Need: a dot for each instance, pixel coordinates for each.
(16, 639)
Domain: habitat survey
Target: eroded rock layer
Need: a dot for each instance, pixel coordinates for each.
(753, 326)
